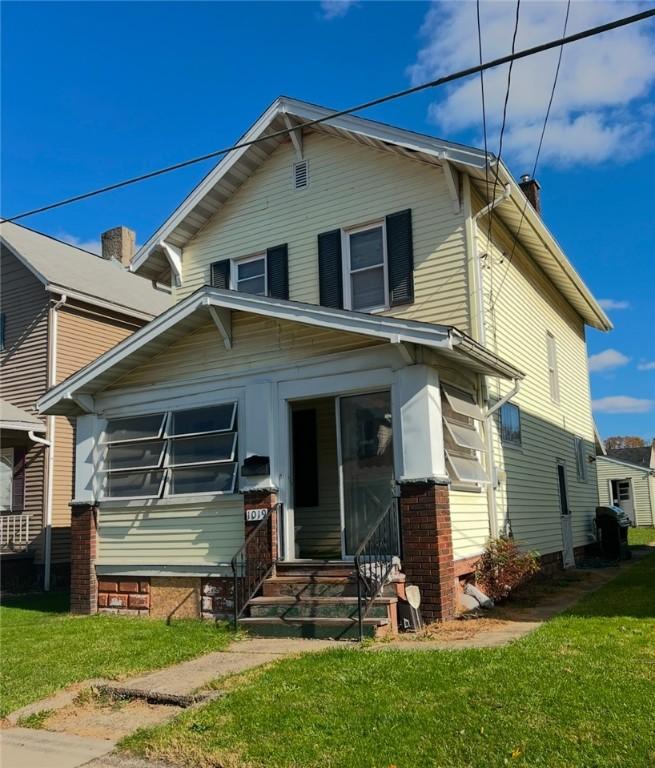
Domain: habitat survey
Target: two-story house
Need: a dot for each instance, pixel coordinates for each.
(358, 360)
(60, 307)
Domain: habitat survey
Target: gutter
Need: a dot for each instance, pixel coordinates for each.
(37, 439)
(52, 376)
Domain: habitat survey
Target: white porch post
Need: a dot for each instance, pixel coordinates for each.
(421, 430)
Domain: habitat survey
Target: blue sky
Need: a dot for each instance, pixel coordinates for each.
(94, 92)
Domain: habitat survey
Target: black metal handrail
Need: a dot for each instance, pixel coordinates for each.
(374, 560)
(253, 562)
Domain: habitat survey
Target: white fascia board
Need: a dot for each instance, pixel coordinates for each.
(87, 298)
(204, 186)
(22, 426)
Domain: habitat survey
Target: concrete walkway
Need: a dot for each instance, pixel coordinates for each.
(29, 748)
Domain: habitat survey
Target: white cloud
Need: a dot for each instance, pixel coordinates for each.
(621, 404)
(336, 9)
(604, 361)
(646, 366)
(614, 304)
(86, 245)
(598, 111)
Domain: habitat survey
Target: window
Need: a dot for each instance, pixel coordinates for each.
(6, 478)
(580, 463)
(462, 440)
(2, 331)
(366, 268)
(249, 275)
(553, 375)
(510, 424)
(168, 454)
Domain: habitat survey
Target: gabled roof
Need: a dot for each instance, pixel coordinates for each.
(641, 457)
(228, 175)
(63, 268)
(72, 396)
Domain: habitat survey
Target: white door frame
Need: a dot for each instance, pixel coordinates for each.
(359, 382)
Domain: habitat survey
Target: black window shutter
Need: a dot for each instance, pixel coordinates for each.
(330, 277)
(277, 267)
(401, 258)
(18, 485)
(220, 274)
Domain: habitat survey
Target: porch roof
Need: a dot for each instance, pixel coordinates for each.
(16, 419)
(75, 395)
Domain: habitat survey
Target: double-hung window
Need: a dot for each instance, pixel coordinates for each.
(249, 274)
(365, 265)
(510, 424)
(173, 453)
(462, 440)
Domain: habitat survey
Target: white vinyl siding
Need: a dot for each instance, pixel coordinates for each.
(351, 184)
(199, 535)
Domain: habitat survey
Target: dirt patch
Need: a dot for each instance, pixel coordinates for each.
(100, 717)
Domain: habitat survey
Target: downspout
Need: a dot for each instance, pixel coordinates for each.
(479, 330)
(52, 380)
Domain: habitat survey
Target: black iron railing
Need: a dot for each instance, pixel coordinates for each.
(254, 561)
(375, 558)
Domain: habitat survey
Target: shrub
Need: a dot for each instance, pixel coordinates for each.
(502, 567)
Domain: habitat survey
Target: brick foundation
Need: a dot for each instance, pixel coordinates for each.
(427, 546)
(124, 595)
(84, 584)
(218, 598)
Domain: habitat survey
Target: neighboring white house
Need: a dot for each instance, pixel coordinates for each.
(626, 477)
(353, 326)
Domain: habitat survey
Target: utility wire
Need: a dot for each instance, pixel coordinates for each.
(591, 32)
(484, 111)
(536, 159)
(504, 122)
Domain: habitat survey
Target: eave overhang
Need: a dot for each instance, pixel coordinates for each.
(75, 395)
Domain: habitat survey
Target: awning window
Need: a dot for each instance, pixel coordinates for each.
(466, 470)
(464, 437)
(462, 403)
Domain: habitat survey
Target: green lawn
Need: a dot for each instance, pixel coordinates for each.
(578, 693)
(44, 648)
(637, 536)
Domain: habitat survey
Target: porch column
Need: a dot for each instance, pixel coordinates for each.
(263, 499)
(427, 556)
(84, 583)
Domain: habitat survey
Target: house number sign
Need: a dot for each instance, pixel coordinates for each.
(255, 515)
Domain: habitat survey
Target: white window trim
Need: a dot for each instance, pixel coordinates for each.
(234, 270)
(165, 466)
(347, 272)
(553, 368)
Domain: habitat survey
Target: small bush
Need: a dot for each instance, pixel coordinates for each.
(502, 568)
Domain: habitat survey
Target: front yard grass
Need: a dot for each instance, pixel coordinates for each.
(640, 536)
(44, 648)
(577, 692)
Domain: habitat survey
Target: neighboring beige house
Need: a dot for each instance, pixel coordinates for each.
(60, 307)
(357, 344)
(626, 477)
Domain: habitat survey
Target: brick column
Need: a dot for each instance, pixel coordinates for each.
(263, 499)
(428, 547)
(84, 583)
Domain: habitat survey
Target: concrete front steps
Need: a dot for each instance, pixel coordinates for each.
(317, 600)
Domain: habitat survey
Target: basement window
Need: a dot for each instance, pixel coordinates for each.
(462, 440)
(172, 453)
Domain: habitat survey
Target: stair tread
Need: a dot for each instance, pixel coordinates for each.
(294, 599)
(325, 620)
(301, 579)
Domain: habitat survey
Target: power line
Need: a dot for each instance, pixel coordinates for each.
(591, 32)
(504, 122)
(484, 111)
(536, 159)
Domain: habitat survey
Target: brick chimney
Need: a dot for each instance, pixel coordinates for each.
(118, 243)
(531, 189)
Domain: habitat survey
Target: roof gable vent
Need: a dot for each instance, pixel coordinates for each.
(301, 174)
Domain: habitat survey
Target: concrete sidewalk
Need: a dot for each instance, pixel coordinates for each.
(29, 748)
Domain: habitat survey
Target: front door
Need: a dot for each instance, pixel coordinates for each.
(366, 464)
(568, 556)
